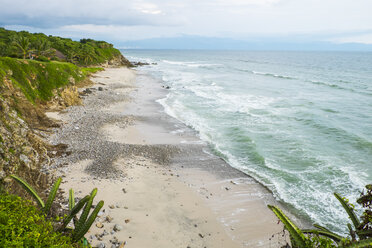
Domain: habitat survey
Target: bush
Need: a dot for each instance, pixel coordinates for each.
(42, 58)
(23, 225)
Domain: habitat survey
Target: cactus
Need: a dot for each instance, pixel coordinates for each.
(74, 211)
(71, 199)
(349, 210)
(328, 234)
(45, 207)
(30, 190)
(52, 196)
(297, 236)
(79, 233)
(86, 210)
(83, 224)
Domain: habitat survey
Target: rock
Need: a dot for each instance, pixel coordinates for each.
(87, 91)
(111, 206)
(140, 63)
(101, 245)
(99, 225)
(124, 190)
(109, 218)
(127, 221)
(100, 89)
(117, 228)
(105, 233)
(113, 246)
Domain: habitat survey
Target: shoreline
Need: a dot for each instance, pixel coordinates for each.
(136, 142)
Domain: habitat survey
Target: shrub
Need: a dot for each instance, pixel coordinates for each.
(23, 225)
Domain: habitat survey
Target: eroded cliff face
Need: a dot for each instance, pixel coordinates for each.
(22, 150)
(23, 126)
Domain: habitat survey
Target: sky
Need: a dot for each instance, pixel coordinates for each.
(117, 21)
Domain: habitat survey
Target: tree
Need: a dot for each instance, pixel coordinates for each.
(23, 45)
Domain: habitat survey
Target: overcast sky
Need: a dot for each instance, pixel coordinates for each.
(120, 20)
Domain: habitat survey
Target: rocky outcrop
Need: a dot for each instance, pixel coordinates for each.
(117, 62)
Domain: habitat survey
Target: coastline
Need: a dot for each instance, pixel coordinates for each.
(176, 192)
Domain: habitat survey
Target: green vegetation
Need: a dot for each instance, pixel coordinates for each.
(23, 225)
(82, 224)
(36, 79)
(45, 207)
(359, 236)
(42, 47)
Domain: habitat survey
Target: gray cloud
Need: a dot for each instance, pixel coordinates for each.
(138, 19)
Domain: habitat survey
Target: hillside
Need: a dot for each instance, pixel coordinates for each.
(40, 72)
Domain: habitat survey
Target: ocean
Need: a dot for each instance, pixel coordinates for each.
(298, 122)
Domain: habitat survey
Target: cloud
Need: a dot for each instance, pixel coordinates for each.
(46, 14)
(138, 19)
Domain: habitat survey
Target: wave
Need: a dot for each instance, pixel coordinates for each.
(190, 64)
(273, 75)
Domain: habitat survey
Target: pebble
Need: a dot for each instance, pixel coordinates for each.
(99, 225)
(117, 228)
(101, 245)
(109, 218)
(111, 206)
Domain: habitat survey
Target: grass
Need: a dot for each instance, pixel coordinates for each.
(36, 79)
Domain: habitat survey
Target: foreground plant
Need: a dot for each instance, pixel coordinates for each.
(45, 206)
(360, 234)
(81, 224)
(24, 225)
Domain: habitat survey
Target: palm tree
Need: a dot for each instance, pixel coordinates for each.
(42, 48)
(23, 45)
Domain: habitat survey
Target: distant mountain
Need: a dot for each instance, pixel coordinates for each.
(210, 43)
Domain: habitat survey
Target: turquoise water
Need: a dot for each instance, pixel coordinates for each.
(299, 122)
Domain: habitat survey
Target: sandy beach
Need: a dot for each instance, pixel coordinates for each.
(161, 184)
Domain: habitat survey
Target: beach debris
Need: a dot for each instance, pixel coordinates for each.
(201, 235)
(227, 188)
(111, 206)
(123, 189)
(127, 221)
